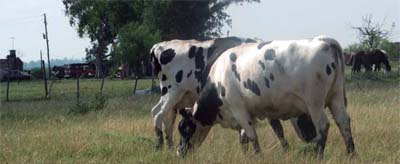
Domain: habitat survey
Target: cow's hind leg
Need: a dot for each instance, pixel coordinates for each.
(277, 127)
(169, 121)
(342, 120)
(168, 113)
(157, 120)
(321, 122)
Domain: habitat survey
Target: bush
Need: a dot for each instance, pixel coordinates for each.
(96, 103)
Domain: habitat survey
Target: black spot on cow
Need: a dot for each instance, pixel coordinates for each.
(169, 86)
(261, 64)
(221, 88)
(223, 91)
(250, 123)
(219, 46)
(163, 77)
(271, 76)
(266, 82)
(190, 73)
(253, 87)
(306, 127)
(164, 91)
(198, 89)
(192, 52)
(245, 85)
(235, 72)
(261, 45)
(167, 56)
(208, 105)
(232, 56)
(269, 54)
(328, 69)
(333, 65)
(178, 76)
(199, 63)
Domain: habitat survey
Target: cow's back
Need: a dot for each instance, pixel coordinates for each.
(273, 79)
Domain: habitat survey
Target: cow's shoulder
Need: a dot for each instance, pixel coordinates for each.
(208, 104)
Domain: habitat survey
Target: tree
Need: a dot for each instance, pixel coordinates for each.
(100, 21)
(390, 48)
(190, 19)
(165, 20)
(129, 27)
(134, 43)
(370, 33)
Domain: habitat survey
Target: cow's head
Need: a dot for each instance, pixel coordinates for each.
(192, 132)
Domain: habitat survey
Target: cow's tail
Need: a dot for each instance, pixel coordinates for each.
(154, 61)
(339, 61)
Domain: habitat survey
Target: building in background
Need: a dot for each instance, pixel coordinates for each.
(12, 67)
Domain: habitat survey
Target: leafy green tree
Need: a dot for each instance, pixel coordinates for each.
(390, 48)
(371, 33)
(134, 43)
(190, 19)
(130, 27)
(100, 20)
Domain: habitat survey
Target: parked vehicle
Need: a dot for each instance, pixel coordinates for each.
(14, 75)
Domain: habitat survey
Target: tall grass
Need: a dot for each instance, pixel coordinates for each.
(43, 132)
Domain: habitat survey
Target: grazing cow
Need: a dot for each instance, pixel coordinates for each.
(275, 80)
(179, 64)
(376, 57)
(369, 59)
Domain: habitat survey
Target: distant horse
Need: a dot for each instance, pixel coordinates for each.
(369, 60)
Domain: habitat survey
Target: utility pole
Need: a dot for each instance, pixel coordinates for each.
(46, 36)
(43, 66)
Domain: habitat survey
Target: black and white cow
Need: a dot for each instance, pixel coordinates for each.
(179, 64)
(274, 80)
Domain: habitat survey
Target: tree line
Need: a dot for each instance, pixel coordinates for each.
(123, 31)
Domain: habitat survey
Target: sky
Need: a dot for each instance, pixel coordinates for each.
(267, 20)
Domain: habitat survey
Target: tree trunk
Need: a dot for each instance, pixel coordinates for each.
(99, 67)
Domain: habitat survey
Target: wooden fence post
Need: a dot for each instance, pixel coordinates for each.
(77, 90)
(136, 81)
(8, 85)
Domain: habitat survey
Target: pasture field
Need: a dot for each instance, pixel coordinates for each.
(33, 130)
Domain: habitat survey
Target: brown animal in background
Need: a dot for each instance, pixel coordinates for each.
(369, 59)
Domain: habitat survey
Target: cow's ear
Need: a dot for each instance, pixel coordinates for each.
(186, 112)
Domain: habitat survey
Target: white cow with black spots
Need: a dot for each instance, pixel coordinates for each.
(179, 65)
(274, 80)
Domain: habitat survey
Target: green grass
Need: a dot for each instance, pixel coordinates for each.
(34, 130)
(66, 89)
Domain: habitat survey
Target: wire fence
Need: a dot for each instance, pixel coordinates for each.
(67, 89)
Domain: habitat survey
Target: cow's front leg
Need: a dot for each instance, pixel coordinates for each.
(251, 133)
(277, 127)
(244, 140)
